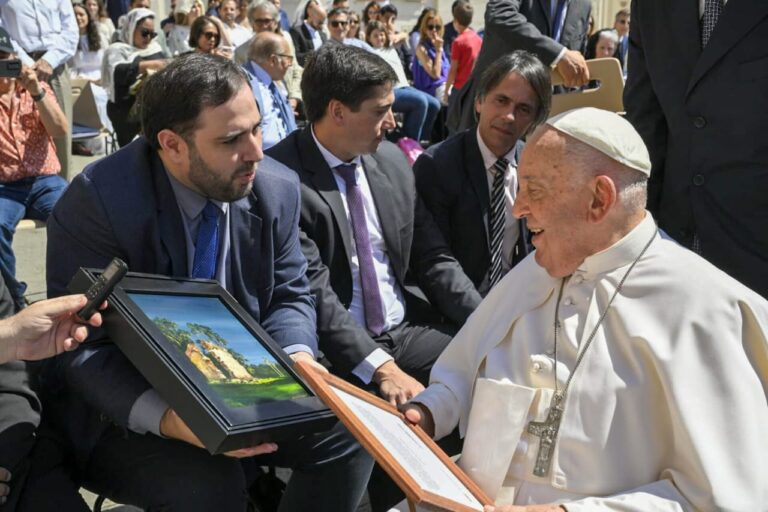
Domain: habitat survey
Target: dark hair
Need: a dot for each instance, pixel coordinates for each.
(463, 14)
(370, 4)
(338, 10)
(344, 73)
(591, 50)
(388, 9)
(102, 9)
(531, 69)
(91, 30)
(206, 81)
(422, 15)
(376, 25)
(306, 9)
(197, 28)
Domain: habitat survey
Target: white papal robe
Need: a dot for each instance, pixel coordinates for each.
(667, 410)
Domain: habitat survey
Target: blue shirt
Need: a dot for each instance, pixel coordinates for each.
(273, 127)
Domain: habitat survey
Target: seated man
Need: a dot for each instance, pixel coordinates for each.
(367, 230)
(338, 28)
(268, 60)
(309, 36)
(29, 170)
(614, 369)
(187, 199)
(469, 182)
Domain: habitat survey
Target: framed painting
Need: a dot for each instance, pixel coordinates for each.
(427, 476)
(210, 360)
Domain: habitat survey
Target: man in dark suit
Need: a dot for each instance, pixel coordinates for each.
(309, 36)
(369, 238)
(469, 182)
(186, 200)
(553, 30)
(696, 93)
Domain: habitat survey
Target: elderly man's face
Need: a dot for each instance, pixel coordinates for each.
(262, 21)
(555, 204)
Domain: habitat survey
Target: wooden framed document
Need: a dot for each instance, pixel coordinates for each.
(429, 478)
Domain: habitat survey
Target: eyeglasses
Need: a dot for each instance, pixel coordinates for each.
(211, 35)
(433, 27)
(284, 56)
(336, 23)
(263, 21)
(146, 33)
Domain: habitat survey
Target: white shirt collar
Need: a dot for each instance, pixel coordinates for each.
(489, 159)
(332, 160)
(623, 252)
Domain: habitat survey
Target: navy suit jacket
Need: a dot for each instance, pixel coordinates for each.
(302, 41)
(123, 205)
(451, 179)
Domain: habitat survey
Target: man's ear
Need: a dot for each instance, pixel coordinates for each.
(173, 146)
(604, 197)
(337, 112)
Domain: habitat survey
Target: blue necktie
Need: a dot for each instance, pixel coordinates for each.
(557, 18)
(207, 244)
(285, 109)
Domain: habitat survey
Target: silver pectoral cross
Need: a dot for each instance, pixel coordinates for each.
(547, 431)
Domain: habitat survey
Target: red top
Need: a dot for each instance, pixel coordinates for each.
(26, 149)
(464, 50)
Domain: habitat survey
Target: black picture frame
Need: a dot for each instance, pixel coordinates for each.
(207, 405)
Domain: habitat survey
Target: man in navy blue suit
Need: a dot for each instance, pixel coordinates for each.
(189, 198)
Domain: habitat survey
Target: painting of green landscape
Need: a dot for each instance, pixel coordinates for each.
(237, 367)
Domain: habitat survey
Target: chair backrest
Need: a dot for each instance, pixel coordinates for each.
(607, 96)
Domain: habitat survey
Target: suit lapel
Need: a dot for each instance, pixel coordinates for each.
(169, 221)
(324, 183)
(382, 192)
(245, 227)
(738, 17)
(475, 169)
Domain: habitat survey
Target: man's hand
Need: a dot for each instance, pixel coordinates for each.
(395, 385)
(418, 414)
(530, 508)
(5, 490)
(308, 358)
(43, 70)
(172, 426)
(45, 329)
(29, 81)
(573, 68)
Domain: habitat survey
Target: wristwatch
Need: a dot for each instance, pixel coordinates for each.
(38, 97)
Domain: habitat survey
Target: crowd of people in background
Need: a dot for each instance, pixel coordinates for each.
(409, 175)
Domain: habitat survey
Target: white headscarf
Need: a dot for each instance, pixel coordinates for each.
(123, 51)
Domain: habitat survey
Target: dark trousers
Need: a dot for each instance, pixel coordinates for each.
(330, 471)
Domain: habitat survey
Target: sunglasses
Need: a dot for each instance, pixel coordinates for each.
(146, 33)
(433, 27)
(336, 24)
(211, 35)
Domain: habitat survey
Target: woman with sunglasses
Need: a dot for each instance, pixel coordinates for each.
(208, 35)
(430, 65)
(135, 55)
(186, 12)
(354, 26)
(419, 108)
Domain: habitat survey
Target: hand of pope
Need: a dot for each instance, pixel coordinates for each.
(173, 427)
(550, 507)
(395, 385)
(419, 415)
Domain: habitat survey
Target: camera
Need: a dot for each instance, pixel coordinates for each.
(10, 68)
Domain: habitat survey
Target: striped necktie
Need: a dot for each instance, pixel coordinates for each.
(712, 11)
(497, 218)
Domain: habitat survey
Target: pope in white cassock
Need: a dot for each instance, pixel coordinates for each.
(612, 369)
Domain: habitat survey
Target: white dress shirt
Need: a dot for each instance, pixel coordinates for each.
(511, 225)
(41, 25)
(317, 41)
(391, 294)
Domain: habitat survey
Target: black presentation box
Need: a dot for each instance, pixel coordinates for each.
(210, 360)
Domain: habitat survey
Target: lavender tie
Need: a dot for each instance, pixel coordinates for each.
(374, 311)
